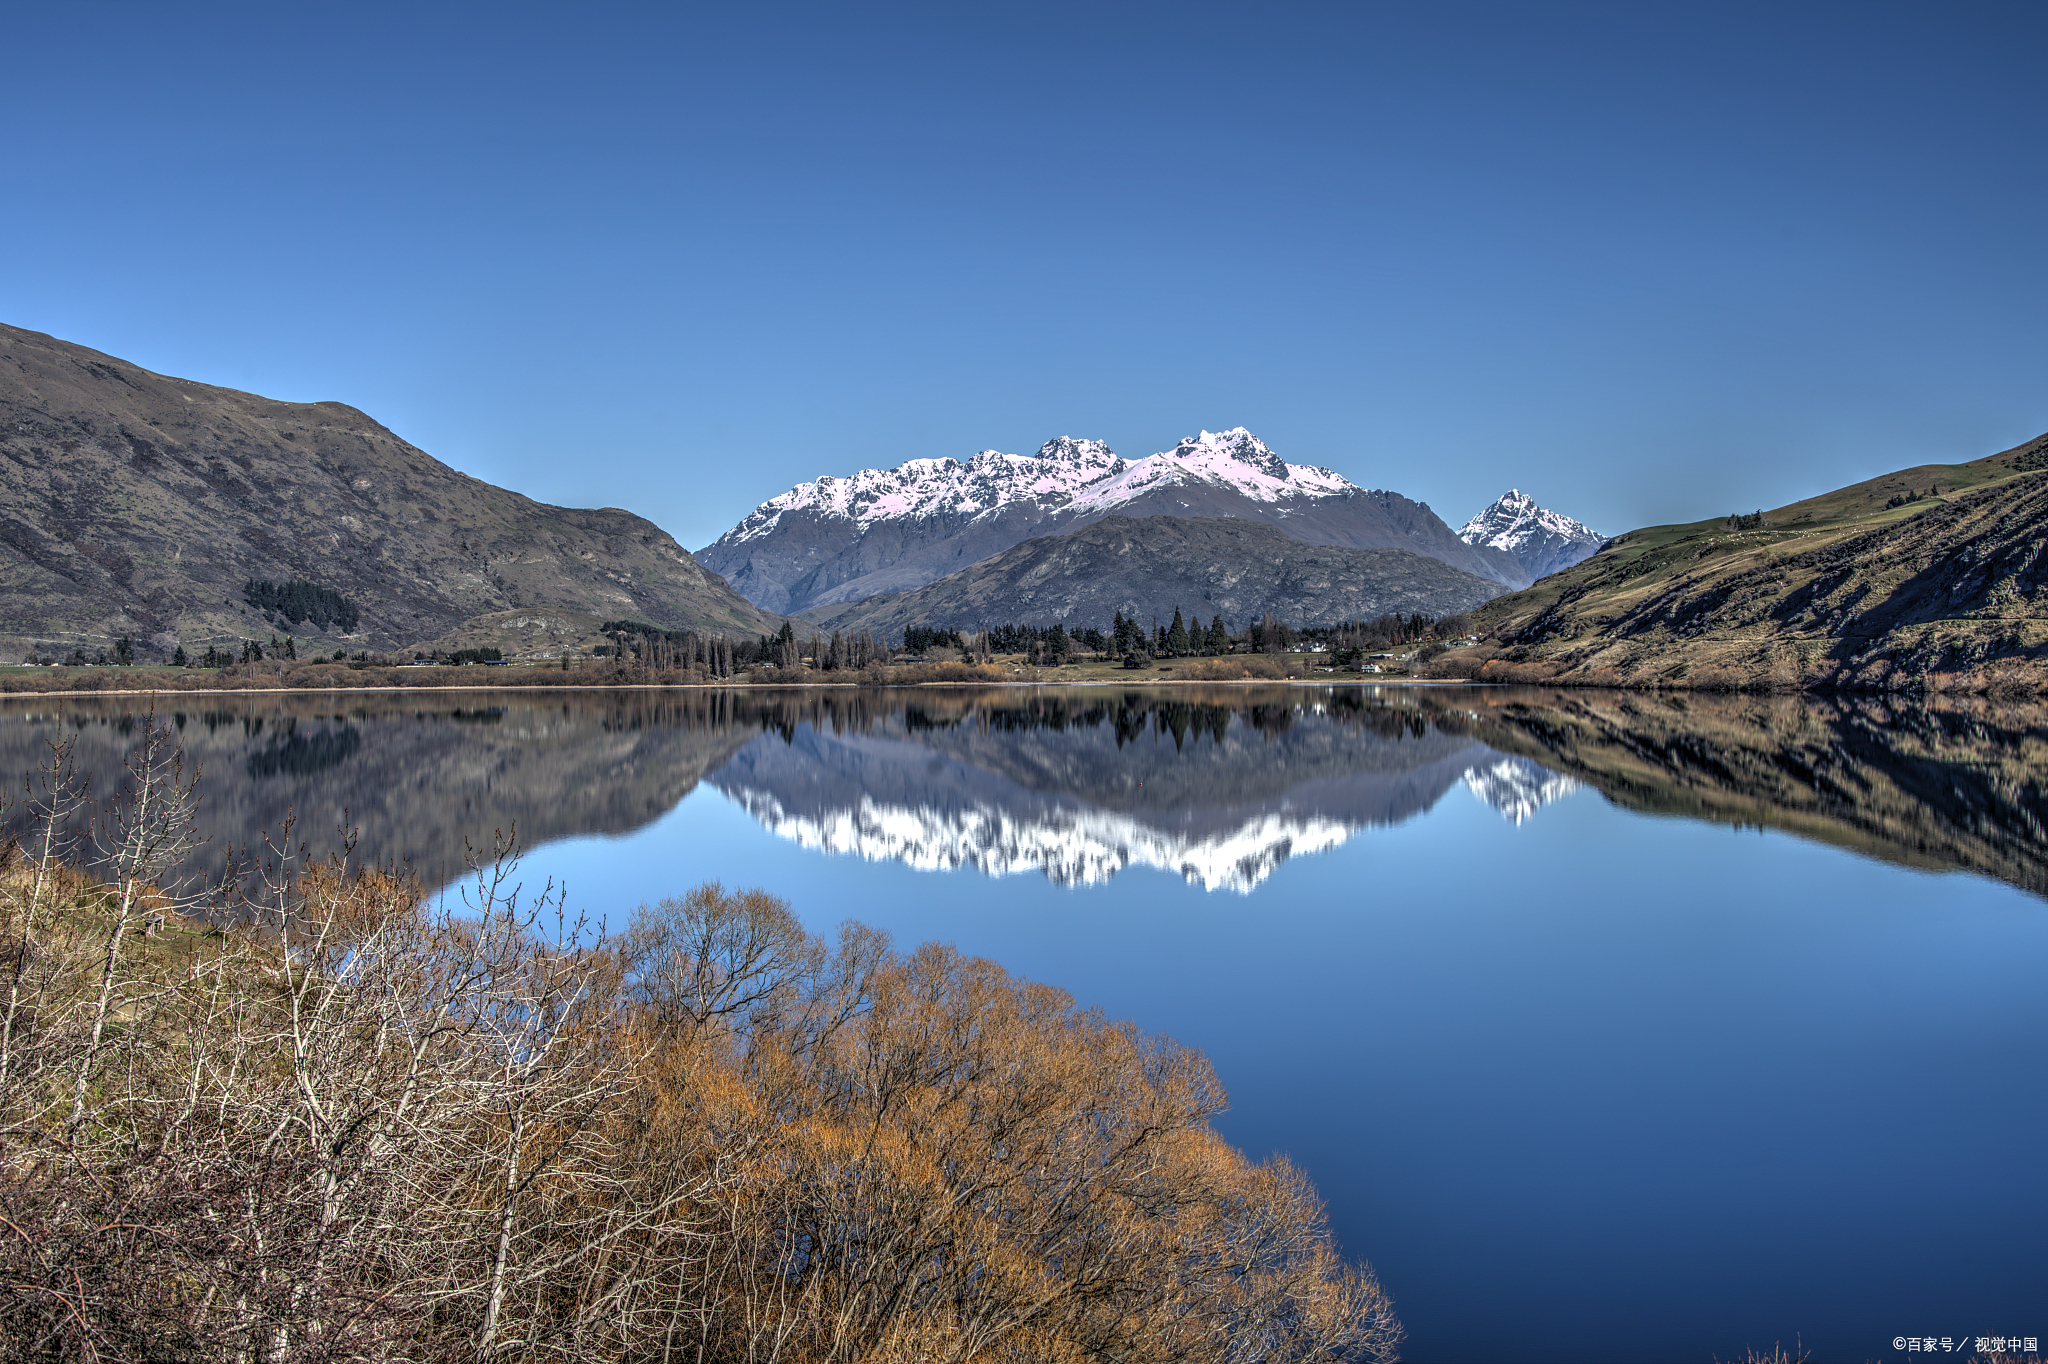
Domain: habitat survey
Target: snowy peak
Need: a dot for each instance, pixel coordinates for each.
(1066, 473)
(1540, 541)
(1514, 520)
(1086, 453)
(915, 488)
(1236, 443)
(1235, 460)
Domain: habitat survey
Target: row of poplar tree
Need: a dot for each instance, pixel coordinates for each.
(721, 656)
(724, 655)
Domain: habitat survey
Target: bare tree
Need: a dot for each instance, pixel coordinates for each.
(370, 1124)
(55, 795)
(143, 837)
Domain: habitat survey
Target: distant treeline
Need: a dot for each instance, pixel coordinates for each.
(489, 653)
(299, 601)
(1136, 643)
(719, 655)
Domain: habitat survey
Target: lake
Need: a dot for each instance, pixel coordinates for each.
(1611, 1026)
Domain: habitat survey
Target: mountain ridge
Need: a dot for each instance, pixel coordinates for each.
(846, 539)
(138, 505)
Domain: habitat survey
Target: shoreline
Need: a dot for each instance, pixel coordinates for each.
(759, 686)
(1912, 694)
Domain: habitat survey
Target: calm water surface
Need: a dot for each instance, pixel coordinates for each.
(1611, 1028)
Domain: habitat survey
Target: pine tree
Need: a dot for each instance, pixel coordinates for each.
(1177, 637)
(178, 659)
(1219, 638)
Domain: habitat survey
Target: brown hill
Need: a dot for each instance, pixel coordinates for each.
(1932, 577)
(1147, 566)
(134, 504)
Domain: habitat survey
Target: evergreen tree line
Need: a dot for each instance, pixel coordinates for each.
(1131, 640)
(1389, 631)
(299, 601)
(1055, 643)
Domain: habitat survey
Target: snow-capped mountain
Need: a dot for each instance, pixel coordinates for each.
(920, 488)
(1542, 542)
(1233, 460)
(886, 530)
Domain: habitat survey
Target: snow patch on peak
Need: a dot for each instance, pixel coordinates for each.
(1514, 521)
(1066, 448)
(1238, 444)
(1067, 474)
(989, 480)
(1234, 459)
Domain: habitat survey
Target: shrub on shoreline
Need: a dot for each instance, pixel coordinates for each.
(330, 1118)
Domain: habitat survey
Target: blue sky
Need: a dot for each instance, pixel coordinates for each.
(1648, 262)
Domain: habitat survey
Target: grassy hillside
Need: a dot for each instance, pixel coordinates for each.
(1929, 577)
(137, 505)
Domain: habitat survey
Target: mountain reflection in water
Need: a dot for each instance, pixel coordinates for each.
(1545, 1076)
(1082, 787)
(1217, 785)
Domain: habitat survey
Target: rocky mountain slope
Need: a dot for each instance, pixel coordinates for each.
(888, 530)
(1541, 542)
(1147, 566)
(1931, 577)
(133, 504)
